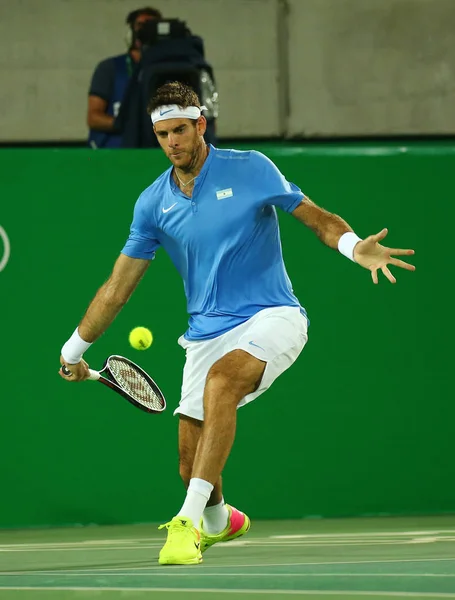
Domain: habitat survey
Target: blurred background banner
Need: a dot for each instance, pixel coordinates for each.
(362, 424)
(293, 68)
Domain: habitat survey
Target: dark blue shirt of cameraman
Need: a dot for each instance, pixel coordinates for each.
(109, 83)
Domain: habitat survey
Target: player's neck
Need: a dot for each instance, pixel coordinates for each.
(186, 176)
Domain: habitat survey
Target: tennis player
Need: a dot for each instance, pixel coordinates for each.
(214, 212)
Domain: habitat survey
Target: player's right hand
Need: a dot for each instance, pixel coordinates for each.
(79, 371)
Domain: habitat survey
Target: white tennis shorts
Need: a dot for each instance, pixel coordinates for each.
(275, 335)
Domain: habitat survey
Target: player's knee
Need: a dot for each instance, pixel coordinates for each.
(221, 379)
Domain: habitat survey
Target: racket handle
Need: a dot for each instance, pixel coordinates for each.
(94, 375)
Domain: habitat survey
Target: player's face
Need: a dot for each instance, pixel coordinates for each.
(180, 139)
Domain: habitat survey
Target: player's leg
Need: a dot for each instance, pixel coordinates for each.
(217, 517)
(183, 540)
(189, 434)
(220, 522)
(262, 349)
(230, 379)
(185, 543)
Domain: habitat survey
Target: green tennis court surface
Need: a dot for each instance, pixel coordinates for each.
(322, 559)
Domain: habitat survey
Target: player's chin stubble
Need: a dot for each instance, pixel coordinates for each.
(190, 163)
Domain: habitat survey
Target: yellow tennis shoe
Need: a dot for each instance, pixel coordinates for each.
(238, 524)
(183, 544)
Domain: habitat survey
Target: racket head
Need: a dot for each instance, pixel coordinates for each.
(133, 383)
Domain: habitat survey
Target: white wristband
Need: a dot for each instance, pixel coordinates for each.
(74, 348)
(346, 244)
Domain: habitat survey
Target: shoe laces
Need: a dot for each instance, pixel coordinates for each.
(176, 526)
(167, 525)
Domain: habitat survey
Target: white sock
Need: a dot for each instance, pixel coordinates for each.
(215, 518)
(196, 498)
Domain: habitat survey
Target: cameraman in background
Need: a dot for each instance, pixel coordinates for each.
(159, 50)
(110, 81)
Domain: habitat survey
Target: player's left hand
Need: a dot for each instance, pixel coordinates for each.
(372, 256)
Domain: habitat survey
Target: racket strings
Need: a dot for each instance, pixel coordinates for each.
(135, 384)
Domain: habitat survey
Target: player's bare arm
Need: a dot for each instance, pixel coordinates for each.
(105, 306)
(368, 253)
(327, 226)
(112, 296)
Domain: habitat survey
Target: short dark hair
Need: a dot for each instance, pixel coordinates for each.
(147, 10)
(174, 92)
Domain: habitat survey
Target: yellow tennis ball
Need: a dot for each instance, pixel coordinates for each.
(140, 338)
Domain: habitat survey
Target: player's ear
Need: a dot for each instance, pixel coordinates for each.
(201, 125)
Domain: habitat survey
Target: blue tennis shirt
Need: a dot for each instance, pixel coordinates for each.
(224, 241)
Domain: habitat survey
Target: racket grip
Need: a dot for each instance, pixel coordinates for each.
(94, 375)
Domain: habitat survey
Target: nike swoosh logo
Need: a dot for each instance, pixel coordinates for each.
(253, 344)
(164, 112)
(197, 545)
(165, 210)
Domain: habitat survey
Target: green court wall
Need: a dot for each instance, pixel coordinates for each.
(362, 424)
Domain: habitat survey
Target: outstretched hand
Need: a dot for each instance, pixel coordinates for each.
(372, 256)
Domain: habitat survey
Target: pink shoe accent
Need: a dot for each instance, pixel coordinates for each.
(236, 521)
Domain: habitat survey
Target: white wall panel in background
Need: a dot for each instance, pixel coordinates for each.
(49, 49)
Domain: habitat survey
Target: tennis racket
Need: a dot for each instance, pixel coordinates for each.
(130, 381)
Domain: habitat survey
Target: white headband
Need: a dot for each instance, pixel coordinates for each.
(173, 111)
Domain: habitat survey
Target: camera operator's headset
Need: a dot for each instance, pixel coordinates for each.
(131, 20)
